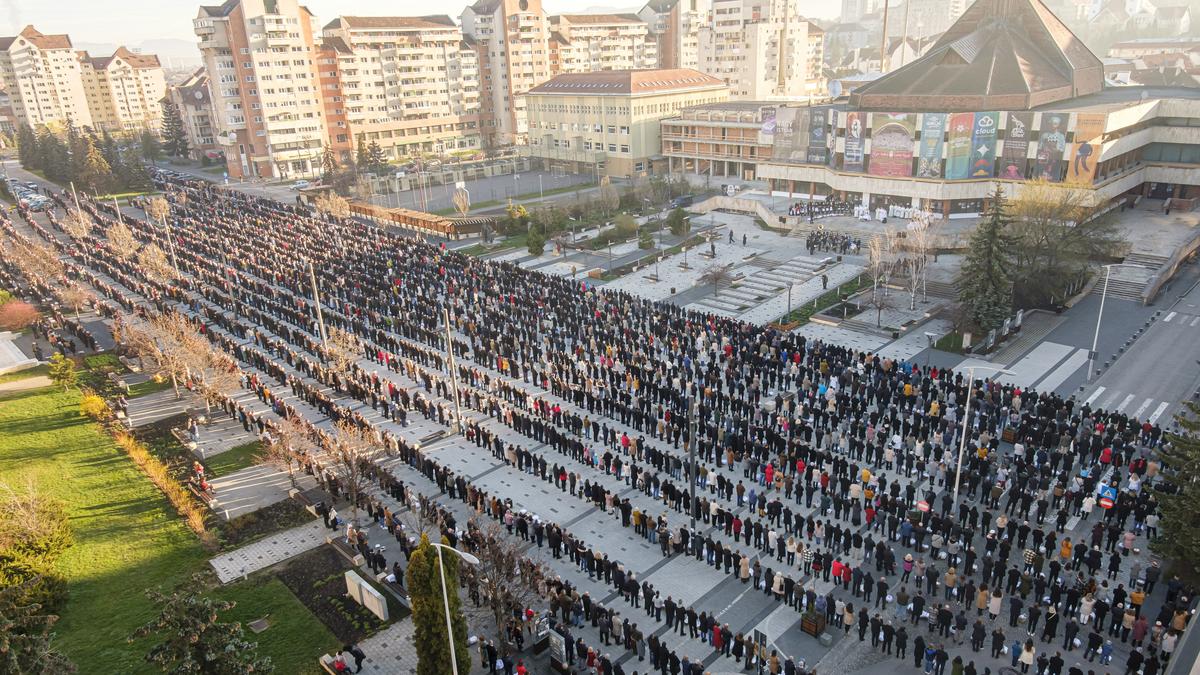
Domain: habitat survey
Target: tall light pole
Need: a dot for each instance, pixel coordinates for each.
(1100, 314)
(312, 277)
(458, 423)
(465, 557)
(962, 443)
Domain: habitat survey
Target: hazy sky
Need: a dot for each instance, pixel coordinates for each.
(133, 22)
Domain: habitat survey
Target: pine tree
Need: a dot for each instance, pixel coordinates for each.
(678, 223)
(985, 282)
(62, 371)
(429, 618)
(77, 151)
(151, 148)
(329, 167)
(361, 157)
(376, 160)
(96, 174)
(194, 641)
(175, 142)
(25, 636)
(27, 148)
(1179, 539)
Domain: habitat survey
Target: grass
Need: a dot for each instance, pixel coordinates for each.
(42, 369)
(295, 637)
(125, 195)
(233, 459)
(951, 342)
(148, 387)
(805, 312)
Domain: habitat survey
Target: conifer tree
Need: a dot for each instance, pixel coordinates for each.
(985, 281)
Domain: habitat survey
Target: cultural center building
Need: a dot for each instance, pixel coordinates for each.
(1007, 95)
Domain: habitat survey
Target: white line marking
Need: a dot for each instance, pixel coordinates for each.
(1195, 321)
(1063, 371)
(1169, 317)
(1162, 407)
(1142, 408)
(1099, 390)
(1124, 403)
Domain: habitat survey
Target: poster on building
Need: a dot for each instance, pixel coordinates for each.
(1085, 151)
(983, 144)
(1052, 145)
(929, 164)
(790, 142)
(766, 130)
(1016, 146)
(852, 159)
(818, 118)
(958, 146)
(892, 144)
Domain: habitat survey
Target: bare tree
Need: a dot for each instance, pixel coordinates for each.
(158, 209)
(462, 202)
(332, 204)
(38, 262)
(77, 224)
(880, 250)
(75, 295)
(916, 263)
(610, 199)
(342, 351)
(715, 275)
(167, 345)
(154, 263)
(121, 241)
(504, 577)
(219, 376)
(290, 441)
(352, 448)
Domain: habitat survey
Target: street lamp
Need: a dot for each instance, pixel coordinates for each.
(962, 443)
(1100, 314)
(469, 559)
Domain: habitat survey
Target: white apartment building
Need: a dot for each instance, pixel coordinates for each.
(42, 76)
(585, 43)
(193, 99)
(124, 91)
(512, 39)
(763, 49)
(411, 84)
(267, 108)
(675, 25)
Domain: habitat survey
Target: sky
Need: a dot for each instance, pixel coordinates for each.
(110, 21)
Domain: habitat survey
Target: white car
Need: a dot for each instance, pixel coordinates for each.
(300, 185)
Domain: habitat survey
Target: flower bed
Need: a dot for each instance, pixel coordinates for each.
(317, 578)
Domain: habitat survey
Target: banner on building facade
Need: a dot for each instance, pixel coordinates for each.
(983, 144)
(1085, 151)
(1016, 146)
(817, 131)
(1052, 145)
(958, 146)
(766, 130)
(892, 144)
(930, 163)
(852, 158)
(790, 142)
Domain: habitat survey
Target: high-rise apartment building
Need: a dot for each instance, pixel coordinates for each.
(585, 43)
(267, 108)
(675, 25)
(763, 49)
(193, 100)
(512, 39)
(124, 91)
(42, 76)
(411, 84)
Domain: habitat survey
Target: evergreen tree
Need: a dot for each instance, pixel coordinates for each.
(1179, 538)
(53, 159)
(174, 136)
(985, 282)
(194, 641)
(151, 148)
(536, 241)
(678, 222)
(429, 618)
(329, 167)
(96, 174)
(376, 160)
(361, 157)
(25, 636)
(27, 148)
(62, 371)
(77, 153)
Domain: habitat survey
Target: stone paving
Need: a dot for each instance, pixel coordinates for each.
(252, 488)
(268, 551)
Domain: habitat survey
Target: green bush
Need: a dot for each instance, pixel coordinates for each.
(48, 588)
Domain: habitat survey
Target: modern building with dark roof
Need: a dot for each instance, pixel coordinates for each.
(1006, 96)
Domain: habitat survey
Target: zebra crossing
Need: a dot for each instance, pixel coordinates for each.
(1182, 319)
(1134, 405)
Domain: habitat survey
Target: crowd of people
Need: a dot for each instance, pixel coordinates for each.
(812, 459)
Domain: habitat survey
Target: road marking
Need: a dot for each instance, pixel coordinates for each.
(1145, 404)
(1124, 403)
(1099, 390)
(1195, 321)
(1162, 407)
(1169, 317)
(1060, 374)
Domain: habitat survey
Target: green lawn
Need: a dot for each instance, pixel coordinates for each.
(35, 371)
(148, 387)
(126, 538)
(233, 459)
(295, 637)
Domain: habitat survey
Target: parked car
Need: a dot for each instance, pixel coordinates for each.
(300, 185)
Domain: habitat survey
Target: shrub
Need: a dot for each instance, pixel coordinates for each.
(194, 513)
(17, 315)
(93, 406)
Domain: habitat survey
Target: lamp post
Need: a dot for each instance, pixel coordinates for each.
(1100, 314)
(465, 557)
(962, 442)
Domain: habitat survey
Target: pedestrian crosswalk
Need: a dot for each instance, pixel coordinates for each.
(1134, 405)
(1182, 319)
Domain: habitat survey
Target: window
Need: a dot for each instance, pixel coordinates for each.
(612, 147)
(625, 130)
(624, 148)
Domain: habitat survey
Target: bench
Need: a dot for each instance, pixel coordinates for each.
(397, 591)
(184, 438)
(309, 504)
(326, 662)
(207, 497)
(348, 552)
(134, 365)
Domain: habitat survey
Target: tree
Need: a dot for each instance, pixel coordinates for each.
(626, 226)
(361, 156)
(96, 174)
(26, 633)
(499, 577)
(352, 448)
(536, 241)
(154, 263)
(678, 222)
(62, 371)
(916, 263)
(429, 616)
(1180, 457)
(1056, 233)
(175, 141)
(376, 160)
(880, 251)
(715, 275)
(985, 282)
(168, 345)
(610, 199)
(462, 202)
(16, 315)
(121, 240)
(332, 204)
(27, 148)
(193, 640)
(329, 166)
(290, 441)
(342, 351)
(75, 295)
(77, 225)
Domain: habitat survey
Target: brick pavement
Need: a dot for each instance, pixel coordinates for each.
(268, 551)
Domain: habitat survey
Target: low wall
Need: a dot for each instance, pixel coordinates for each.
(1167, 271)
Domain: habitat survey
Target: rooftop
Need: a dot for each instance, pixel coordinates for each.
(629, 82)
(407, 22)
(37, 39)
(583, 19)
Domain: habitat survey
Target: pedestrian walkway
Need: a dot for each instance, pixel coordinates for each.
(268, 551)
(159, 405)
(252, 488)
(392, 651)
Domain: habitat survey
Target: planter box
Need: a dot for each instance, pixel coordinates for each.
(813, 624)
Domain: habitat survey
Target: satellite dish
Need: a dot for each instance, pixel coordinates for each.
(835, 88)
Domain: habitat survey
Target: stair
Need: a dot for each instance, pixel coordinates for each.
(1121, 288)
(1154, 262)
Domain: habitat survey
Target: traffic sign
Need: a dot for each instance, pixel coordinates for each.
(1108, 492)
(923, 505)
(1106, 503)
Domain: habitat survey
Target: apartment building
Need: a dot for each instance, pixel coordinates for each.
(42, 76)
(675, 25)
(583, 43)
(124, 91)
(512, 40)
(763, 49)
(411, 84)
(193, 100)
(267, 109)
(720, 140)
(607, 123)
